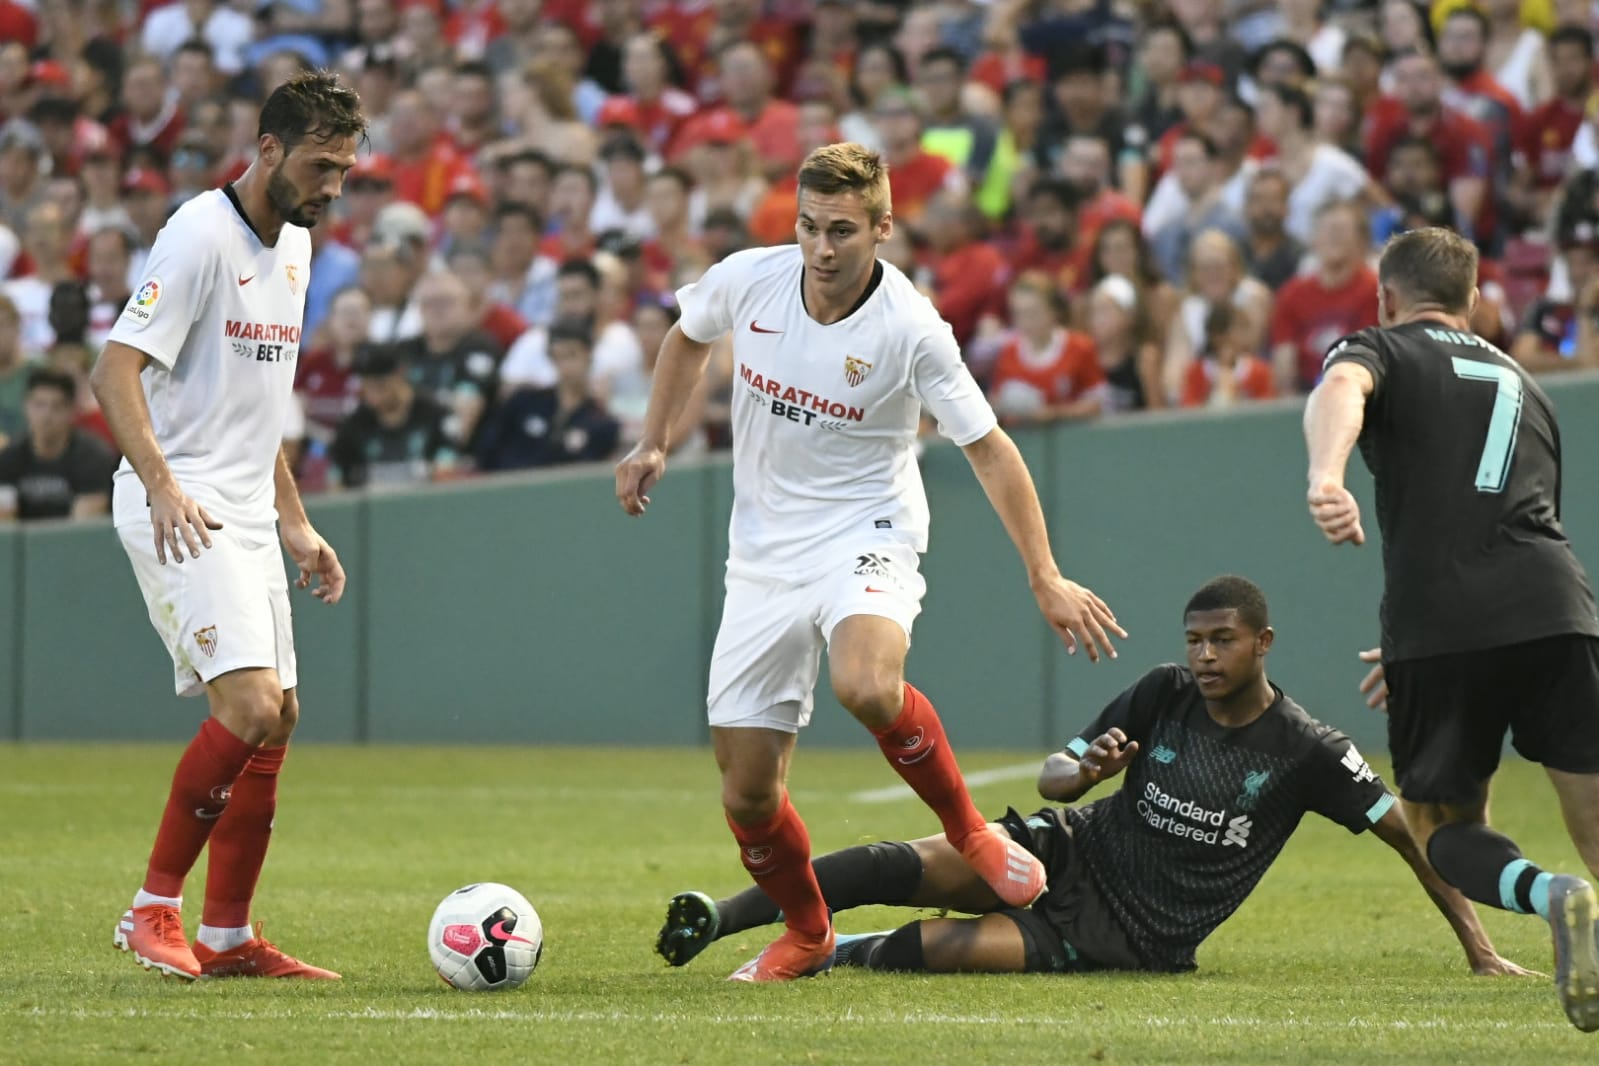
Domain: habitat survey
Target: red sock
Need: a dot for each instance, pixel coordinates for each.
(239, 843)
(919, 752)
(777, 854)
(195, 804)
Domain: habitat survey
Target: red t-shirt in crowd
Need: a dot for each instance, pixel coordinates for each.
(1546, 139)
(329, 391)
(503, 324)
(1465, 148)
(1067, 267)
(917, 180)
(1312, 317)
(1251, 374)
(426, 181)
(966, 281)
(1069, 374)
(998, 69)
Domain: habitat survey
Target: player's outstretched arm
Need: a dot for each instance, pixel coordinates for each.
(1079, 616)
(305, 545)
(678, 371)
(1392, 830)
(177, 520)
(1065, 779)
(1334, 416)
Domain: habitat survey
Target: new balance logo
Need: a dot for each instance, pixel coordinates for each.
(1163, 754)
(1356, 765)
(1238, 832)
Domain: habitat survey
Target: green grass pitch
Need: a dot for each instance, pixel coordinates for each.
(1337, 958)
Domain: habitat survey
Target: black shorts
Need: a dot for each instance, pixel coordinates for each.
(1070, 929)
(1447, 714)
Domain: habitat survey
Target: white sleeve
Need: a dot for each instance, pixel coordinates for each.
(178, 278)
(528, 362)
(707, 305)
(1352, 177)
(1166, 204)
(947, 389)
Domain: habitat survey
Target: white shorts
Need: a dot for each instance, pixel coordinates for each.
(226, 610)
(769, 646)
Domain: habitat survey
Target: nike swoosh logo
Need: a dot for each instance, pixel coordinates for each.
(758, 329)
(497, 931)
(245, 281)
(870, 589)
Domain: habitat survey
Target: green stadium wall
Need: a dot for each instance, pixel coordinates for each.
(529, 610)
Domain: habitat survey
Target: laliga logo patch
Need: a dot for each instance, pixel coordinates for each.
(142, 306)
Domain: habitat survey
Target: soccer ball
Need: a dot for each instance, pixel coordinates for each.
(485, 937)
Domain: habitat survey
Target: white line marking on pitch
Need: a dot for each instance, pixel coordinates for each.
(472, 1014)
(982, 777)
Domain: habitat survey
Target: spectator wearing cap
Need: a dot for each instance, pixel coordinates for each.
(652, 106)
(1553, 127)
(395, 436)
(325, 378)
(451, 360)
(423, 161)
(727, 175)
(1197, 178)
(1337, 298)
(878, 68)
(1124, 342)
(1163, 52)
(46, 241)
(227, 31)
(1271, 254)
(110, 262)
(1080, 103)
(969, 274)
(1465, 148)
(622, 203)
(470, 263)
(522, 279)
(1322, 40)
(22, 162)
(466, 214)
(949, 129)
(1317, 174)
(150, 115)
(1044, 371)
(18, 23)
(565, 423)
(915, 175)
(54, 469)
(616, 352)
(1562, 333)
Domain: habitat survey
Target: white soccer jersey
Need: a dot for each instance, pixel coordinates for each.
(220, 314)
(825, 416)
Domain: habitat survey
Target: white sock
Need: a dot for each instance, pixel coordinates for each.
(142, 898)
(221, 939)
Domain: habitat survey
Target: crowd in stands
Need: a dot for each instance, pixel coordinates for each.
(1118, 205)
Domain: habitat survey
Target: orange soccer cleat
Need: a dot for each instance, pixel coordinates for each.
(788, 958)
(257, 957)
(1016, 877)
(154, 936)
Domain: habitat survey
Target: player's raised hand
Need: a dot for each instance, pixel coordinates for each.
(1079, 616)
(1107, 756)
(1337, 513)
(313, 555)
(1374, 686)
(636, 474)
(179, 521)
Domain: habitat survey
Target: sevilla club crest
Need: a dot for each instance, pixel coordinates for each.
(855, 370)
(207, 639)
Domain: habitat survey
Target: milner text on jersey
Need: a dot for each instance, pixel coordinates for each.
(800, 399)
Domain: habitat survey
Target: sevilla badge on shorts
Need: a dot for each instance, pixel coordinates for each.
(294, 278)
(855, 370)
(207, 639)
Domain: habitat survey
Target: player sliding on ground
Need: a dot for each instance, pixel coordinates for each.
(837, 354)
(196, 381)
(1487, 616)
(1220, 767)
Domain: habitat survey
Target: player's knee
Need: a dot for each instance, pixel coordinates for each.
(873, 694)
(254, 713)
(288, 718)
(751, 802)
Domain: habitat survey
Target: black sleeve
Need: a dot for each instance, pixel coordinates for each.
(1134, 711)
(346, 454)
(1534, 322)
(11, 464)
(1336, 783)
(1362, 349)
(603, 433)
(487, 452)
(93, 467)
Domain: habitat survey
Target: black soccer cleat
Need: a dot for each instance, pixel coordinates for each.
(691, 925)
(1574, 923)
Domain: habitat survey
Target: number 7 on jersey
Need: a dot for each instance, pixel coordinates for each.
(1503, 423)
